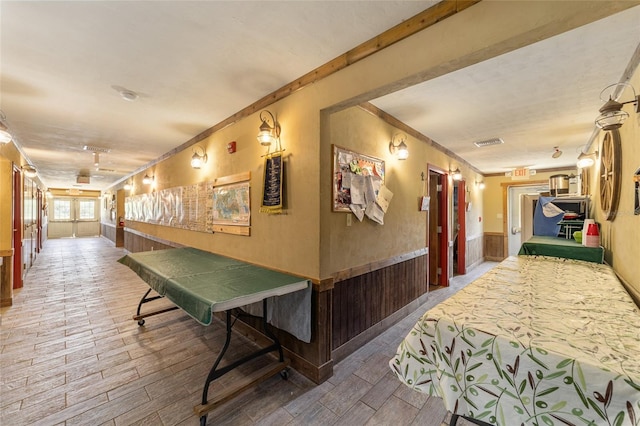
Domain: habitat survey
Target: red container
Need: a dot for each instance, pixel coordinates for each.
(592, 239)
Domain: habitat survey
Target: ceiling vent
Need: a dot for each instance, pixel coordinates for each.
(95, 148)
(488, 142)
(83, 179)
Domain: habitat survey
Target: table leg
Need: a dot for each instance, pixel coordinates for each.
(140, 317)
(454, 420)
(256, 377)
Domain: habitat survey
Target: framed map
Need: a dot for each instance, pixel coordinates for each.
(231, 205)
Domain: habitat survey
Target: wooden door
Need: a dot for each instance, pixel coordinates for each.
(438, 228)
(17, 227)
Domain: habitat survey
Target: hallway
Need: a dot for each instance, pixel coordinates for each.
(71, 354)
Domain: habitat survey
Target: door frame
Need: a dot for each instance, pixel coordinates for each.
(505, 211)
(17, 227)
(443, 216)
(462, 231)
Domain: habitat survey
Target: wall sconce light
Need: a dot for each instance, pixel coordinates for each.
(147, 180)
(29, 170)
(586, 160)
(199, 157)
(611, 115)
(480, 184)
(269, 129)
(48, 193)
(5, 135)
(456, 174)
(127, 187)
(398, 147)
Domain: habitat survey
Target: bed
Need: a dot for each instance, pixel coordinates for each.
(536, 341)
(202, 283)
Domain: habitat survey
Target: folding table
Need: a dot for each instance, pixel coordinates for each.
(201, 283)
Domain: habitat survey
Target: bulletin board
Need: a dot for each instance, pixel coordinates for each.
(347, 163)
(219, 206)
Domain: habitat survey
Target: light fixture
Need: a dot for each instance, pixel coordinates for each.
(96, 159)
(480, 184)
(5, 136)
(199, 157)
(398, 147)
(127, 187)
(49, 194)
(456, 174)
(29, 170)
(147, 180)
(269, 129)
(611, 115)
(586, 160)
(556, 152)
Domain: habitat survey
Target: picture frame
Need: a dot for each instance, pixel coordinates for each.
(232, 205)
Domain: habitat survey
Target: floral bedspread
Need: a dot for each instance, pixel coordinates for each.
(535, 341)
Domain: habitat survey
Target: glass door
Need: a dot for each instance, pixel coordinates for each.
(74, 217)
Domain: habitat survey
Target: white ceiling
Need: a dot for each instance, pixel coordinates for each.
(195, 63)
(537, 98)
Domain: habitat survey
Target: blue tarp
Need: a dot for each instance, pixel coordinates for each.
(546, 225)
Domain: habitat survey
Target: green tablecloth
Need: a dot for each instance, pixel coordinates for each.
(560, 247)
(200, 282)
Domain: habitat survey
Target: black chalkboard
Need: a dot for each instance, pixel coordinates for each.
(272, 189)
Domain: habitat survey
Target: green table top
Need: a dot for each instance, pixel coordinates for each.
(200, 282)
(561, 247)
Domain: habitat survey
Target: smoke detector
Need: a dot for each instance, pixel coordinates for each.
(128, 95)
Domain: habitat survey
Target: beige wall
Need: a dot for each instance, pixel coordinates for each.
(307, 238)
(405, 227)
(6, 206)
(621, 237)
(287, 241)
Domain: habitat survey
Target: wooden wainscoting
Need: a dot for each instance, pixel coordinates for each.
(6, 283)
(494, 246)
(474, 252)
(112, 233)
(365, 305)
(135, 241)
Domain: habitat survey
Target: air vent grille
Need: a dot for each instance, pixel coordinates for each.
(95, 148)
(488, 142)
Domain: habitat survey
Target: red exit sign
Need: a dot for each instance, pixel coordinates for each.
(520, 174)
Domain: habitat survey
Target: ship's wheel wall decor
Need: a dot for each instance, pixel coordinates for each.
(609, 176)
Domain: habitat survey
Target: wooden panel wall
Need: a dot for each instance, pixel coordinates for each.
(108, 231)
(363, 301)
(494, 246)
(112, 233)
(6, 283)
(474, 251)
(137, 241)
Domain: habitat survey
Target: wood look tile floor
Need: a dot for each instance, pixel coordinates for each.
(70, 354)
